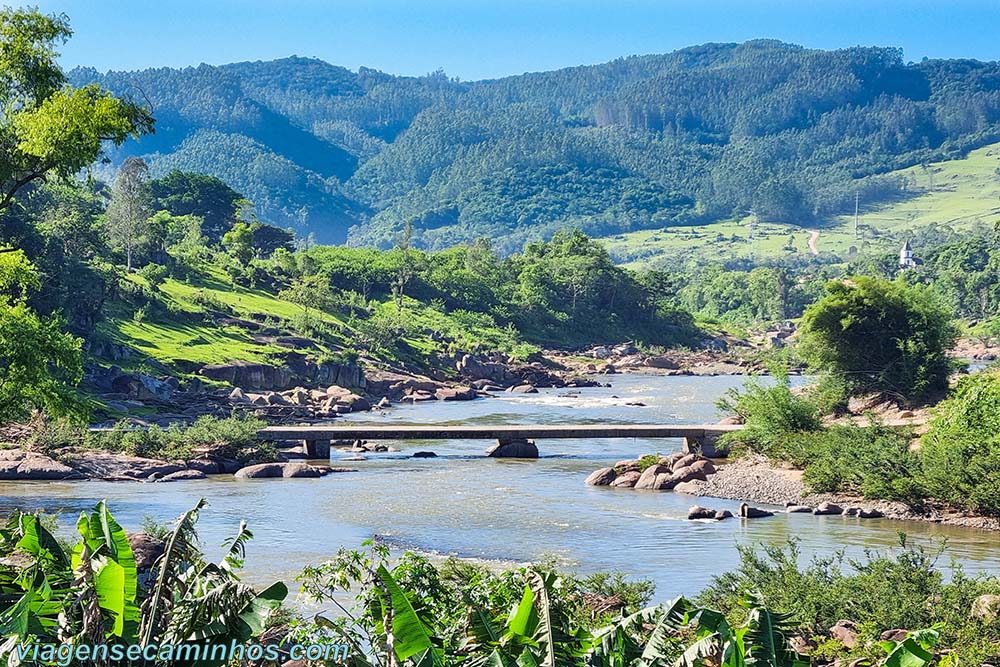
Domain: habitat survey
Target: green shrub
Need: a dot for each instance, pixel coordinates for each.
(961, 452)
(648, 461)
(154, 274)
(771, 415)
(233, 437)
(904, 589)
(873, 461)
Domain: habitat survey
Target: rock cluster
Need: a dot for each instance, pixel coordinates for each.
(21, 465)
(361, 447)
(297, 369)
(283, 470)
(697, 512)
(329, 402)
(665, 474)
(832, 509)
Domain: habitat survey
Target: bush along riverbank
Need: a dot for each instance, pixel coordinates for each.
(947, 471)
(156, 587)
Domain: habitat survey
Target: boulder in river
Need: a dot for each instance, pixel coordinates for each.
(517, 448)
(16, 464)
(626, 479)
(455, 394)
(205, 465)
(699, 512)
(825, 508)
(656, 478)
(523, 389)
(627, 465)
(182, 475)
(424, 455)
(749, 512)
(111, 466)
(870, 513)
(723, 514)
(799, 509)
(601, 477)
(274, 470)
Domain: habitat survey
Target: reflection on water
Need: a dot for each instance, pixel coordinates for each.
(462, 503)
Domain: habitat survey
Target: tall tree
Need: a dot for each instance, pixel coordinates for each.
(39, 364)
(46, 126)
(130, 207)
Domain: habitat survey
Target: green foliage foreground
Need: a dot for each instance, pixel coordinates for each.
(412, 612)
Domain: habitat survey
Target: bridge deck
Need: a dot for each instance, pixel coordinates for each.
(491, 432)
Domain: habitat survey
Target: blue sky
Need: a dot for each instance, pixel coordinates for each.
(475, 39)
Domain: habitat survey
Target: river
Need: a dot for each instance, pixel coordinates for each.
(465, 504)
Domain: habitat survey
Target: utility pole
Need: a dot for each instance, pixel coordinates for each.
(752, 234)
(857, 198)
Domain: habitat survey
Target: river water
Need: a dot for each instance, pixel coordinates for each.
(465, 504)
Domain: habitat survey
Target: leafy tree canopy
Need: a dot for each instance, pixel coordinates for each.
(46, 126)
(880, 335)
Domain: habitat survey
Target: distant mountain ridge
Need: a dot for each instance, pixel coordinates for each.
(640, 142)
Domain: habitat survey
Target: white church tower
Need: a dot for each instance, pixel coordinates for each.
(906, 258)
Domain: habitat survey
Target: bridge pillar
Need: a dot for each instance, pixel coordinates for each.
(707, 445)
(317, 449)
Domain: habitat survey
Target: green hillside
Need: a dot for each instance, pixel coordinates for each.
(701, 135)
(954, 195)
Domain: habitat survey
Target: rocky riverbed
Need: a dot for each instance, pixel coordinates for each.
(756, 479)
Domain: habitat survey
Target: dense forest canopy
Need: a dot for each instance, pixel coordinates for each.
(641, 142)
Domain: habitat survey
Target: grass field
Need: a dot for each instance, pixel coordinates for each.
(176, 341)
(957, 194)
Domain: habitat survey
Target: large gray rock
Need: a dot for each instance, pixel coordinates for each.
(661, 361)
(513, 449)
(260, 471)
(142, 387)
(110, 466)
(476, 369)
(182, 475)
(686, 474)
(704, 466)
(684, 461)
(16, 464)
(456, 394)
(601, 477)
(204, 465)
(284, 470)
(297, 370)
(699, 512)
(145, 549)
(626, 479)
(828, 509)
(748, 512)
(656, 478)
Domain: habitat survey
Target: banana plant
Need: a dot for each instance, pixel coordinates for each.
(92, 595)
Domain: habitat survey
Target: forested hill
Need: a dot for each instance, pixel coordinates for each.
(640, 142)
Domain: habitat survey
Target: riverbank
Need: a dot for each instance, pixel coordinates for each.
(757, 480)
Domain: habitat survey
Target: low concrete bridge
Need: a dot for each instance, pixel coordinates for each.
(697, 437)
